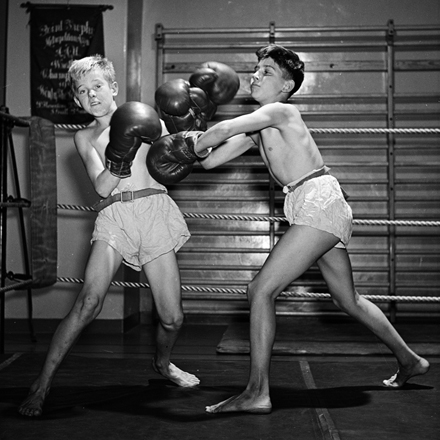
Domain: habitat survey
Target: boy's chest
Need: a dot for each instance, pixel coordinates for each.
(272, 145)
(100, 141)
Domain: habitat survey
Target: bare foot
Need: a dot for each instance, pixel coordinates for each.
(176, 375)
(242, 403)
(32, 406)
(405, 373)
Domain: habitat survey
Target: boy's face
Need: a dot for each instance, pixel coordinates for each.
(94, 94)
(267, 82)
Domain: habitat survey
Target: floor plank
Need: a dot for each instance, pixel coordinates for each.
(106, 388)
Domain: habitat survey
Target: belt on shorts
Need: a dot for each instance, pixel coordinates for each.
(321, 172)
(126, 196)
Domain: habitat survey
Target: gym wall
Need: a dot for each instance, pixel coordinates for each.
(73, 186)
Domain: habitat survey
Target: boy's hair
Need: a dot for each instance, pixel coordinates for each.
(79, 68)
(288, 61)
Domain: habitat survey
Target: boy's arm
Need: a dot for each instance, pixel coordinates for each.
(270, 115)
(131, 124)
(227, 150)
(171, 158)
(102, 180)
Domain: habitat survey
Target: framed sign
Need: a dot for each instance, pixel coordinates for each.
(58, 36)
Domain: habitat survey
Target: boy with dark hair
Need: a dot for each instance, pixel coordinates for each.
(320, 220)
(292, 67)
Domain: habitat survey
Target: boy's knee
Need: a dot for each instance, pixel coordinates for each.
(251, 291)
(89, 306)
(337, 303)
(256, 290)
(173, 323)
(346, 304)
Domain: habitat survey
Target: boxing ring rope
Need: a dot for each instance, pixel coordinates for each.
(361, 130)
(32, 279)
(376, 298)
(191, 288)
(16, 286)
(385, 298)
(259, 218)
(364, 222)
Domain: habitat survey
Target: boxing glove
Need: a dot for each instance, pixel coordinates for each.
(131, 124)
(219, 81)
(182, 107)
(171, 158)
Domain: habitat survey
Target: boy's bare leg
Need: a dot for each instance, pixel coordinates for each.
(164, 278)
(256, 397)
(336, 269)
(296, 251)
(102, 265)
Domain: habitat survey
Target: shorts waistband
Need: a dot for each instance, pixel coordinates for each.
(126, 196)
(296, 183)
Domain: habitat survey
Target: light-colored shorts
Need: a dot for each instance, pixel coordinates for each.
(320, 203)
(142, 230)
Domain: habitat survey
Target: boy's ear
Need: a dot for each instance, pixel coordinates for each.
(288, 85)
(115, 88)
(77, 101)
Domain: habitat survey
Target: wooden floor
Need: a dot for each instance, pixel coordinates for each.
(107, 389)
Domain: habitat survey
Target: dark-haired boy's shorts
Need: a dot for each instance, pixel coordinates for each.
(320, 204)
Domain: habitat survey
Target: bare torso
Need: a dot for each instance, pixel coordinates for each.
(91, 144)
(283, 139)
(288, 149)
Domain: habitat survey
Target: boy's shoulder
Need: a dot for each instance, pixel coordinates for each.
(89, 134)
(91, 130)
(85, 132)
(281, 105)
(287, 109)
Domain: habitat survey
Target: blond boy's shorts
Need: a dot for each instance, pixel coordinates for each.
(320, 204)
(142, 230)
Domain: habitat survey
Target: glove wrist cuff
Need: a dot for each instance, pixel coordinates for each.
(204, 154)
(121, 169)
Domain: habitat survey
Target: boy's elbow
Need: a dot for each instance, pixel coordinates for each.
(103, 194)
(207, 163)
(105, 183)
(102, 190)
(225, 130)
